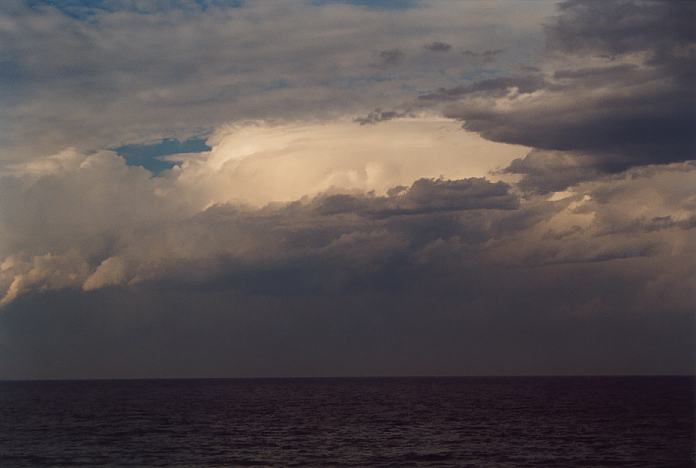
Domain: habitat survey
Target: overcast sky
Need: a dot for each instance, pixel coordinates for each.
(332, 188)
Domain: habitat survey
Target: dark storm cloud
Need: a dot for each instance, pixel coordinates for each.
(550, 171)
(107, 271)
(494, 87)
(391, 57)
(445, 276)
(425, 196)
(619, 27)
(654, 125)
(655, 223)
(379, 115)
(621, 94)
(450, 195)
(596, 75)
(438, 46)
(486, 56)
(475, 291)
(340, 243)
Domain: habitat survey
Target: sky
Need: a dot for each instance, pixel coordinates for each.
(346, 188)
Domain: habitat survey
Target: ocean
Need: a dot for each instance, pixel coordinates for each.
(470, 421)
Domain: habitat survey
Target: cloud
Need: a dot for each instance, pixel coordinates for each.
(406, 290)
(494, 87)
(395, 238)
(92, 206)
(621, 27)
(438, 46)
(110, 272)
(425, 196)
(343, 239)
(614, 92)
(552, 171)
(391, 57)
(486, 56)
(379, 115)
(258, 163)
(123, 75)
(19, 275)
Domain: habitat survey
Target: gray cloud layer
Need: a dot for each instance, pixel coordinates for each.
(616, 91)
(577, 258)
(128, 76)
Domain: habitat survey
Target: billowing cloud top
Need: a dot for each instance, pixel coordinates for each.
(455, 187)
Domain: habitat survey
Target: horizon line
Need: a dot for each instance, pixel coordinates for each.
(365, 377)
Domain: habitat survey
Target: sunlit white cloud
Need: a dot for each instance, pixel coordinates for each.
(258, 163)
(95, 203)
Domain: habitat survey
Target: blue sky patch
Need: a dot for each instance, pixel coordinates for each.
(83, 9)
(148, 155)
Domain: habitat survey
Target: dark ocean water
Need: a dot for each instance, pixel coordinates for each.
(578, 421)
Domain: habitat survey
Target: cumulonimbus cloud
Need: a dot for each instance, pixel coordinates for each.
(563, 214)
(89, 221)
